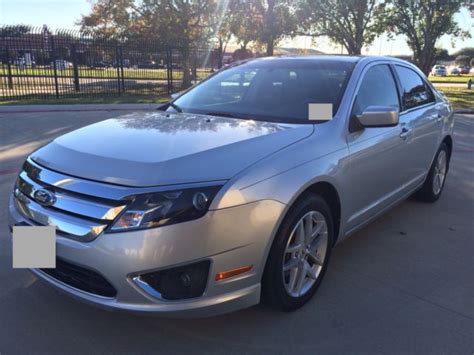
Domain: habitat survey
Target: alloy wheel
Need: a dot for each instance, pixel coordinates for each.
(305, 254)
(439, 172)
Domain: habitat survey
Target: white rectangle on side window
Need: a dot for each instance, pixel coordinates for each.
(319, 112)
(34, 247)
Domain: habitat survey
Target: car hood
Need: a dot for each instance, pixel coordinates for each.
(151, 149)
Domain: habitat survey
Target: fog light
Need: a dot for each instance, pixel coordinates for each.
(182, 282)
(200, 201)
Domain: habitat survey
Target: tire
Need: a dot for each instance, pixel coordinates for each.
(434, 183)
(310, 260)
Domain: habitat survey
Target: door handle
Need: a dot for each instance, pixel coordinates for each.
(405, 133)
(439, 117)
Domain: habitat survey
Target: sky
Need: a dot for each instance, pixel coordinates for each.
(66, 13)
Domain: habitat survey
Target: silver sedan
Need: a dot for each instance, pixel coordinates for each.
(237, 190)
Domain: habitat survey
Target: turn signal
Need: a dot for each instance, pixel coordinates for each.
(234, 272)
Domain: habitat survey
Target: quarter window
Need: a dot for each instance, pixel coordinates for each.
(378, 88)
(415, 92)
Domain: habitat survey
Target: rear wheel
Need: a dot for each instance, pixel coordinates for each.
(299, 255)
(434, 183)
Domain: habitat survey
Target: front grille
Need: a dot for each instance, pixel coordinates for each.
(77, 212)
(81, 278)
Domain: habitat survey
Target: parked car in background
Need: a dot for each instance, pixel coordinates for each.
(61, 64)
(439, 70)
(463, 69)
(147, 64)
(454, 71)
(238, 190)
(22, 62)
(100, 64)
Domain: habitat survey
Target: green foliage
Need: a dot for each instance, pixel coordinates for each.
(462, 60)
(352, 23)
(423, 22)
(263, 22)
(469, 51)
(442, 54)
(110, 18)
(14, 30)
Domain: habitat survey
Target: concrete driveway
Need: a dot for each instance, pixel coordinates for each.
(404, 284)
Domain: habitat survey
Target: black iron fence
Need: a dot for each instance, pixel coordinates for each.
(38, 63)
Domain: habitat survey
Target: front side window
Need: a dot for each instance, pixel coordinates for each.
(377, 88)
(414, 90)
(269, 90)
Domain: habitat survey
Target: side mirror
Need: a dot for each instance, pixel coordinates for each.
(379, 116)
(176, 95)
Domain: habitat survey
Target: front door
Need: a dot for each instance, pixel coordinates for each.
(376, 168)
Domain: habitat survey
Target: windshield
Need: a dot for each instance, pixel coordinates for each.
(270, 90)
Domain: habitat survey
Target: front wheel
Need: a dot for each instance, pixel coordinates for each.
(299, 255)
(434, 183)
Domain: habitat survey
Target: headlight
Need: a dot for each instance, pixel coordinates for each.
(164, 208)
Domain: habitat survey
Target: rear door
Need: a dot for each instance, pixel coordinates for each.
(376, 170)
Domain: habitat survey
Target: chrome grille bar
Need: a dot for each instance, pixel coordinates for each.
(69, 203)
(76, 228)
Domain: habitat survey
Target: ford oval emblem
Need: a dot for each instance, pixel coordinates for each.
(44, 197)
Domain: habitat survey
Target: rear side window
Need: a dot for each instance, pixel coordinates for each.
(414, 90)
(378, 88)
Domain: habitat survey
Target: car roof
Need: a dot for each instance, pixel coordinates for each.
(320, 58)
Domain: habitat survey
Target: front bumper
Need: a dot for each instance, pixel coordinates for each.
(229, 238)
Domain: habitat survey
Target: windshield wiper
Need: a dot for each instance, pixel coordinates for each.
(227, 114)
(176, 107)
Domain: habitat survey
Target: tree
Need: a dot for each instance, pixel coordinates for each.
(265, 22)
(462, 60)
(181, 24)
(442, 54)
(351, 23)
(469, 51)
(14, 30)
(423, 22)
(186, 24)
(245, 23)
(109, 18)
(222, 28)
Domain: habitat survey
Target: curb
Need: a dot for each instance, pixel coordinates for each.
(464, 111)
(78, 108)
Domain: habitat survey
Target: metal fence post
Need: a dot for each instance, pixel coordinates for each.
(168, 66)
(121, 67)
(118, 66)
(171, 71)
(9, 67)
(53, 54)
(75, 67)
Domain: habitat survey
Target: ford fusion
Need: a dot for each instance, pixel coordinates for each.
(236, 191)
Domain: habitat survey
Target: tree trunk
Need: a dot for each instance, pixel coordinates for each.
(220, 53)
(187, 77)
(270, 47)
(425, 59)
(270, 27)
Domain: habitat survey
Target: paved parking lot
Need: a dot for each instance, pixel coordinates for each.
(404, 284)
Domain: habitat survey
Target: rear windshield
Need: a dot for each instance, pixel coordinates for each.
(269, 90)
